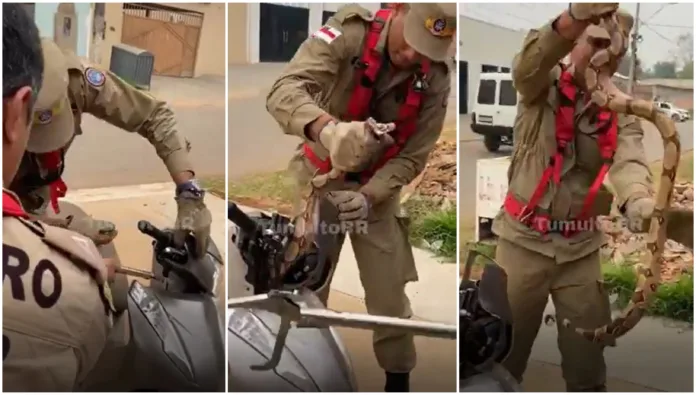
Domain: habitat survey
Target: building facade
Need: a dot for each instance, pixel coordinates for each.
(477, 55)
(265, 32)
(186, 39)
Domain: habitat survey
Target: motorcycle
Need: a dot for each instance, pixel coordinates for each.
(311, 356)
(485, 325)
(169, 336)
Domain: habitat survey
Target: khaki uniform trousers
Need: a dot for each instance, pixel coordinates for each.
(386, 264)
(578, 294)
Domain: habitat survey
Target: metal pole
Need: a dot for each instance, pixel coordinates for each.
(632, 77)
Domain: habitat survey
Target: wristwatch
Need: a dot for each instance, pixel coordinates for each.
(190, 186)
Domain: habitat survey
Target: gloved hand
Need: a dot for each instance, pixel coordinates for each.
(99, 231)
(352, 206)
(638, 210)
(192, 217)
(352, 144)
(591, 12)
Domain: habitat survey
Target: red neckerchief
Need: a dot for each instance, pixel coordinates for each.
(52, 161)
(11, 206)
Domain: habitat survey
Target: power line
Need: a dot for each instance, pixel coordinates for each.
(662, 7)
(671, 26)
(671, 41)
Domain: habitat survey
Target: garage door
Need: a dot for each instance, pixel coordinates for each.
(283, 30)
(463, 87)
(170, 34)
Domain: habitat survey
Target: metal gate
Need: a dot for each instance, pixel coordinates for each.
(283, 30)
(170, 34)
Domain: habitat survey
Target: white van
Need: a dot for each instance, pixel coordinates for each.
(495, 109)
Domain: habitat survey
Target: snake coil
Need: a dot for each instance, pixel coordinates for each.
(606, 94)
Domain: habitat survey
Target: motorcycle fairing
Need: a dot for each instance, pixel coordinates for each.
(174, 344)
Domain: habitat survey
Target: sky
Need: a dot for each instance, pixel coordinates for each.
(663, 22)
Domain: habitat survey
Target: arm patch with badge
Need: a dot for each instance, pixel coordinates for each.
(327, 34)
(94, 77)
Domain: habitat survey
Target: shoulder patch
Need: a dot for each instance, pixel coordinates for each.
(327, 34)
(94, 77)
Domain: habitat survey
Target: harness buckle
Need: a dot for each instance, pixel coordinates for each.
(420, 85)
(524, 215)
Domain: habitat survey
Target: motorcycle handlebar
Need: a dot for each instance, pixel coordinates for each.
(151, 230)
(239, 218)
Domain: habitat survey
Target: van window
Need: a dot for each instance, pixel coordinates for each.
(508, 94)
(486, 93)
(504, 69)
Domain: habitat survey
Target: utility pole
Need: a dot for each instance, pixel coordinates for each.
(632, 74)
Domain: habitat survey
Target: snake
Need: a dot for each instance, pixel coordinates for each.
(607, 95)
(305, 221)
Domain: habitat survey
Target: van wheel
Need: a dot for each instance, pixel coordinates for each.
(676, 118)
(492, 143)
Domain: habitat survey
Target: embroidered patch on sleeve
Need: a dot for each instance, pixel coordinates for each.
(94, 77)
(327, 34)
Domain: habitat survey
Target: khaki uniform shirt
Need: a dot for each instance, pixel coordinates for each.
(118, 103)
(320, 79)
(56, 315)
(535, 72)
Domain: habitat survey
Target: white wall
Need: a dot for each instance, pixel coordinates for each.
(497, 49)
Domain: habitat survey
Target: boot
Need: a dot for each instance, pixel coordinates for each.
(397, 382)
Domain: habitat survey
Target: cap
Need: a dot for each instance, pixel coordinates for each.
(429, 28)
(53, 124)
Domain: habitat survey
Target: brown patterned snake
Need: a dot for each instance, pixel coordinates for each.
(606, 94)
(306, 221)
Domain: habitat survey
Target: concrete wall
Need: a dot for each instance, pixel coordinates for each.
(483, 43)
(238, 43)
(210, 58)
(44, 16)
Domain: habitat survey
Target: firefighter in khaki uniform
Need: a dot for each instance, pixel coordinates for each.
(56, 310)
(548, 239)
(389, 66)
(73, 87)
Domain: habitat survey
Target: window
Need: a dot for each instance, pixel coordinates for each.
(504, 69)
(486, 93)
(508, 94)
(664, 105)
(487, 68)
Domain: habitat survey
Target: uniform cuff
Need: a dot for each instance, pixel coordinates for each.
(302, 116)
(178, 162)
(633, 191)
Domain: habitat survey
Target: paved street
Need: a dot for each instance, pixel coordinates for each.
(256, 143)
(107, 156)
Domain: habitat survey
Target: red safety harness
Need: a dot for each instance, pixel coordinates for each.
(359, 104)
(565, 133)
(11, 207)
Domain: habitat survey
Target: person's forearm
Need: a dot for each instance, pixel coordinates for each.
(314, 128)
(182, 177)
(541, 52)
(569, 28)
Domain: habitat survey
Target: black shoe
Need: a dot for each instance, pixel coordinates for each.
(397, 382)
